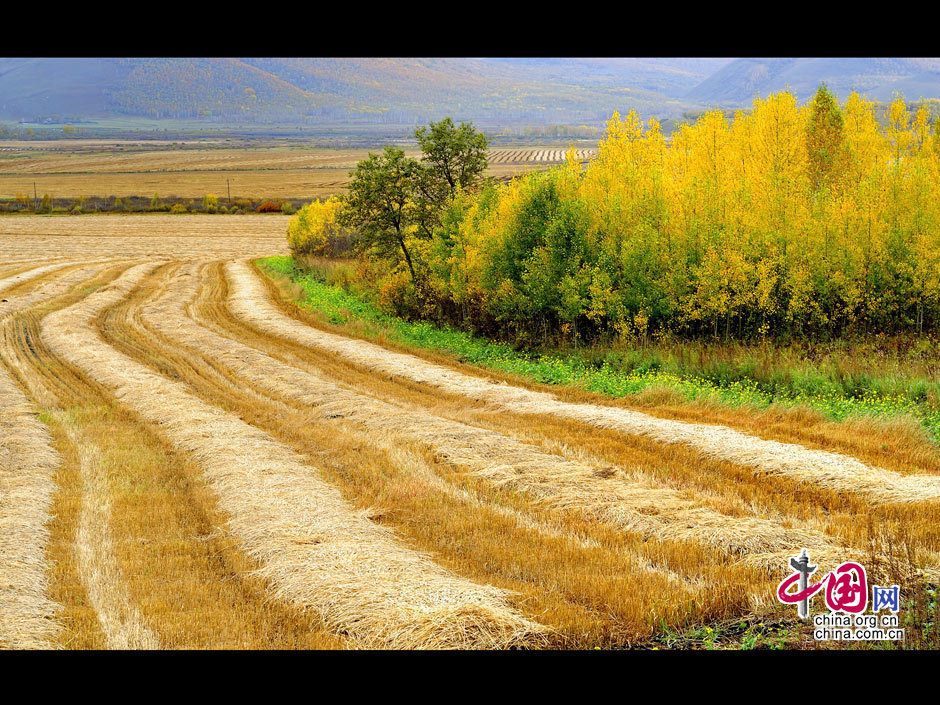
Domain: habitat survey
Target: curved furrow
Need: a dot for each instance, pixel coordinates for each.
(575, 576)
(122, 623)
(28, 463)
(49, 289)
(315, 549)
(155, 556)
(249, 301)
(609, 493)
(16, 279)
(27, 466)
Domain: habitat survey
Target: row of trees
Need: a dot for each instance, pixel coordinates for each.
(782, 220)
(210, 203)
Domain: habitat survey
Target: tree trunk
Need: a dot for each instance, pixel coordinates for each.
(414, 279)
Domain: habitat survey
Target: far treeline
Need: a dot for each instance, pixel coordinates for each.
(780, 222)
(208, 204)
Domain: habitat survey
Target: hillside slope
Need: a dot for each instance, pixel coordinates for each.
(361, 89)
(740, 81)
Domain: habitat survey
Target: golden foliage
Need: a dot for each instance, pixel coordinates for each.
(786, 219)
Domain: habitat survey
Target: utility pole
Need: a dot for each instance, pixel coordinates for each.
(229, 186)
(35, 196)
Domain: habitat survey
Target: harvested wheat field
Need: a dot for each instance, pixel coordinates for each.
(190, 461)
(68, 170)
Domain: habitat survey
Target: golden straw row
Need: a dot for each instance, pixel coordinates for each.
(610, 494)
(315, 549)
(16, 279)
(249, 301)
(27, 466)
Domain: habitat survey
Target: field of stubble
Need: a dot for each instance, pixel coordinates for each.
(188, 460)
(70, 169)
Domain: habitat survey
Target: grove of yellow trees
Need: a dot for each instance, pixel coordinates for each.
(786, 220)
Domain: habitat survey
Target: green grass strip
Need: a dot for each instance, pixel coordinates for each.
(339, 307)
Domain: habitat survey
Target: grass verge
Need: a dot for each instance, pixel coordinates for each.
(610, 372)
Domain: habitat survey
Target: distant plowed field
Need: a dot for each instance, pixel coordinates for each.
(192, 173)
(189, 460)
(524, 156)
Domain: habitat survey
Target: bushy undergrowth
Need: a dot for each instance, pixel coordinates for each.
(330, 290)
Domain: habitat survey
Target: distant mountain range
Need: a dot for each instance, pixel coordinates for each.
(405, 90)
(739, 82)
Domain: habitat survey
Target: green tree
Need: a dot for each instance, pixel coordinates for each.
(380, 200)
(825, 139)
(453, 158)
(456, 155)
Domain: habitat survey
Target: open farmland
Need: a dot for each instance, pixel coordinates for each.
(71, 169)
(189, 460)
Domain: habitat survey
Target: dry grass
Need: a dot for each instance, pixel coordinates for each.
(213, 476)
(186, 160)
(190, 581)
(891, 444)
(731, 489)
(143, 236)
(242, 159)
(621, 578)
(315, 550)
(195, 588)
(609, 493)
(824, 468)
(14, 280)
(122, 624)
(165, 318)
(14, 300)
(28, 463)
(27, 466)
